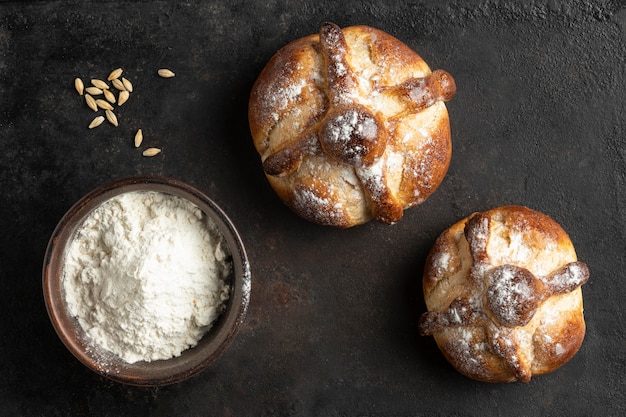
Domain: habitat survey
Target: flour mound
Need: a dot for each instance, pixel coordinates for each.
(145, 275)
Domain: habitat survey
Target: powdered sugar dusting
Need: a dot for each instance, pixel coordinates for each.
(477, 230)
(374, 177)
(519, 250)
(318, 207)
(442, 261)
(467, 349)
(335, 40)
(281, 98)
(341, 80)
(342, 130)
(567, 278)
(511, 295)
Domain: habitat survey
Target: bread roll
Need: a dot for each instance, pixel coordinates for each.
(502, 289)
(351, 125)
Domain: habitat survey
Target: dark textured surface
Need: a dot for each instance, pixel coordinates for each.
(539, 120)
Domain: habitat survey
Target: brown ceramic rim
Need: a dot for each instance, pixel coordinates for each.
(161, 372)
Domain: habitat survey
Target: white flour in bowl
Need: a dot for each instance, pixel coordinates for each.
(145, 275)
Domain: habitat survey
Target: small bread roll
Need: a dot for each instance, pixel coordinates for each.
(351, 125)
(502, 289)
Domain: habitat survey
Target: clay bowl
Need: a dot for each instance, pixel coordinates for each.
(107, 364)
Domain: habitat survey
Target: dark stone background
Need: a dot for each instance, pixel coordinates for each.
(539, 120)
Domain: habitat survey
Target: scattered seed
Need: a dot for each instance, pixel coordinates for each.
(109, 96)
(123, 97)
(103, 104)
(151, 152)
(138, 138)
(96, 122)
(100, 84)
(165, 73)
(91, 102)
(127, 85)
(116, 73)
(79, 86)
(111, 117)
(118, 84)
(94, 91)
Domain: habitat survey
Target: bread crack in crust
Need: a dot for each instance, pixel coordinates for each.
(503, 294)
(351, 125)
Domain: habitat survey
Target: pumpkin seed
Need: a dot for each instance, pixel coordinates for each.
(79, 86)
(165, 73)
(109, 96)
(103, 104)
(118, 84)
(138, 138)
(94, 91)
(96, 122)
(127, 85)
(151, 152)
(111, 117)
(116, 73)
(123, 97)
(91, 102)
(100, 84)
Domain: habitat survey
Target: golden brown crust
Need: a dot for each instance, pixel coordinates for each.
(502, 289)
(351, 125)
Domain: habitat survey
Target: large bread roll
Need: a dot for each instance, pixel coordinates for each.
(503, 294)
(351, 125)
